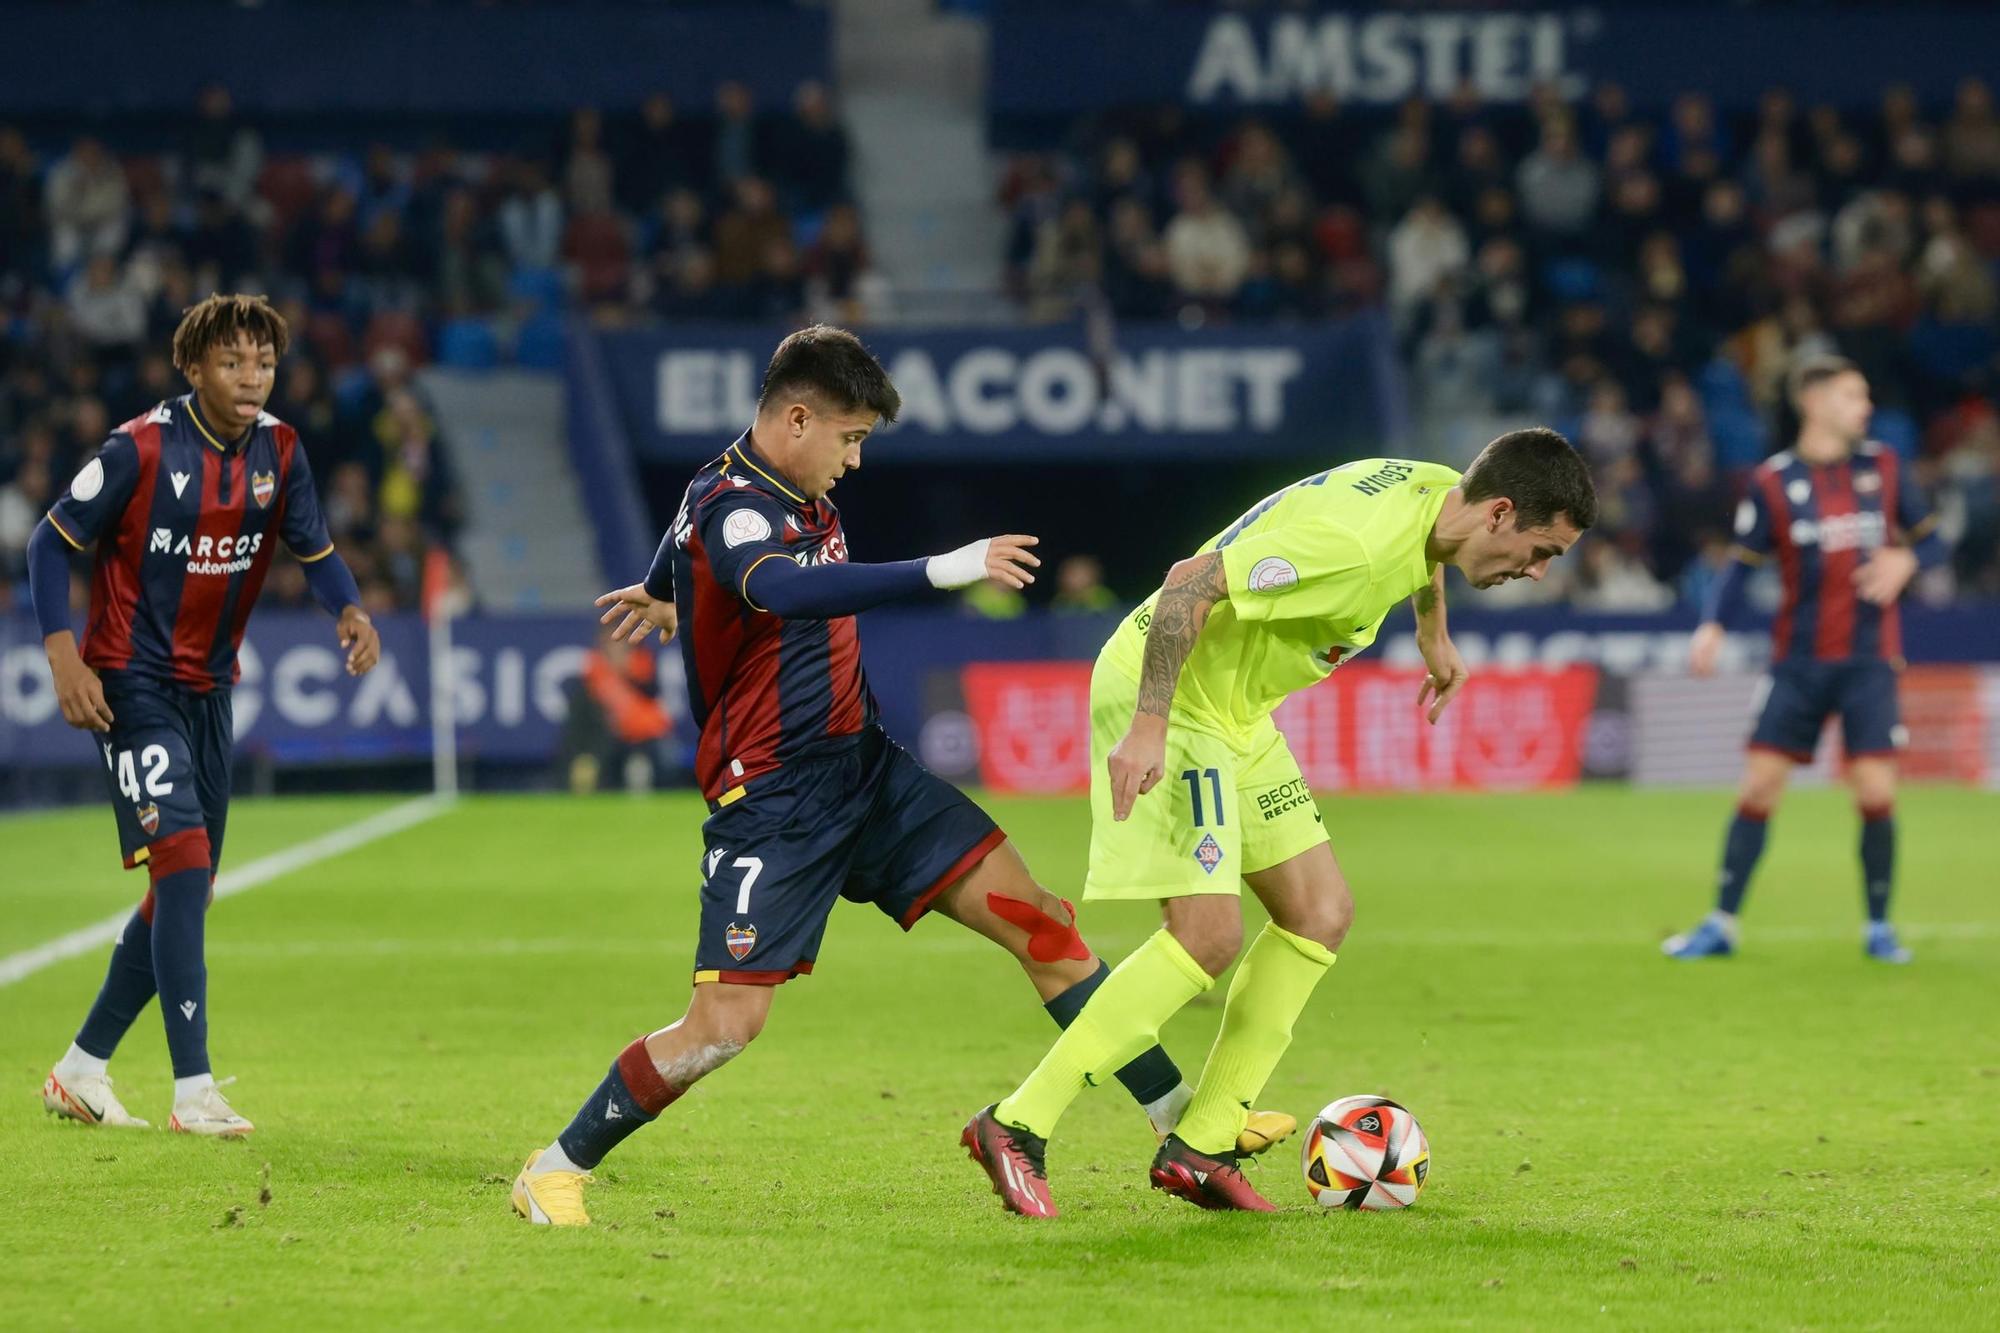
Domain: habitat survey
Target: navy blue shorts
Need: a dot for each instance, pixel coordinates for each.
(869, 824)
(166, 763)
(1802, 695)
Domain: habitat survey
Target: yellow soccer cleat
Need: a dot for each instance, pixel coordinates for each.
(1265, 1130)
(550, 1198)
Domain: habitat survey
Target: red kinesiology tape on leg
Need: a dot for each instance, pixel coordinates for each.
(642, 1076)
(186, 850)
(1049, 940)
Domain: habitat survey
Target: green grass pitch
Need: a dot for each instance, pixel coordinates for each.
(1793, 1139)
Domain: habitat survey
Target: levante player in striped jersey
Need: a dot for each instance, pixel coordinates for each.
(1848, 531)
(186, 506)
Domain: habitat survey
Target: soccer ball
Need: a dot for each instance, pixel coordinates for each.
(1366, 1152)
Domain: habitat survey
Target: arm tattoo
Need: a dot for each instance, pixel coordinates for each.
(1429, 599)
(1193, 587)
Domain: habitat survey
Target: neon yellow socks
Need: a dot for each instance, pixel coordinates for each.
(1272, 985)
(1122, 1019)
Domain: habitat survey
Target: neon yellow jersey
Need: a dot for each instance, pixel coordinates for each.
(1312, 572)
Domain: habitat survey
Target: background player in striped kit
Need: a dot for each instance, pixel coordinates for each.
(187, 505)
(1849, 531)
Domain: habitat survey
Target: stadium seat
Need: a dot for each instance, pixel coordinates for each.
(468, 344)
(352, 387)
(806, 227)
(539, 345)
(1950, 352)
(541, 288)
(1733, 420)
(1722, 385)
(1572, 279)
(1897, 429)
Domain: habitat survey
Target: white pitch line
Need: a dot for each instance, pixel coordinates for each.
(20, 966)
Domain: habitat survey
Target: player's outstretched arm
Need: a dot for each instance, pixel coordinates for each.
(776, 583)
(1445, 669)
(1005, 558)
(1192, 589)
(647, 605)
(642, 611)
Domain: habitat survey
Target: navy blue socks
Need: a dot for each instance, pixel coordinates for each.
(128, 986)
(1151, 1075)
(1878, 858)
(1740, 850)
(632, 1095)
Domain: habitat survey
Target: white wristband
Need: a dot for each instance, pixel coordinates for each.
(960, 568)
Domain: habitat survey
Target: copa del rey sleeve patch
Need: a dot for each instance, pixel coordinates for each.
(744, 525)
(1272, 574)
(89, 481)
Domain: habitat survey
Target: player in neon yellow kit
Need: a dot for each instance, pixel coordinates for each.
(1193, 792)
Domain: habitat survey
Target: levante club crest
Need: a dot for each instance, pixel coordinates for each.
(263, 485)
(740, 939)
(149, 818)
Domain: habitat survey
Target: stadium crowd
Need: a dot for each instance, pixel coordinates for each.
(384, 259)
(1642, 280)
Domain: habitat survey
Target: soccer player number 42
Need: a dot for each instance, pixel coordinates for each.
(154, 760)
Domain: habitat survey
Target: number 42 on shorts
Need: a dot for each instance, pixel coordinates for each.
(153, 759)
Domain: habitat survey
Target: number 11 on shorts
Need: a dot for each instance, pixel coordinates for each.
(1193, 779)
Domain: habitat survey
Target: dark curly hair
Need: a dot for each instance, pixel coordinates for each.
(222, 319)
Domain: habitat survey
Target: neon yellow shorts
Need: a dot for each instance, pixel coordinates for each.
(1224, 808)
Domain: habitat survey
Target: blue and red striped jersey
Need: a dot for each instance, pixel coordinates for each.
(185, 525)
(1821, 521)
(763, 689)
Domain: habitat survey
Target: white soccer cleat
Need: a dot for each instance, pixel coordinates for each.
(209, 1114)
(88, 1100)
